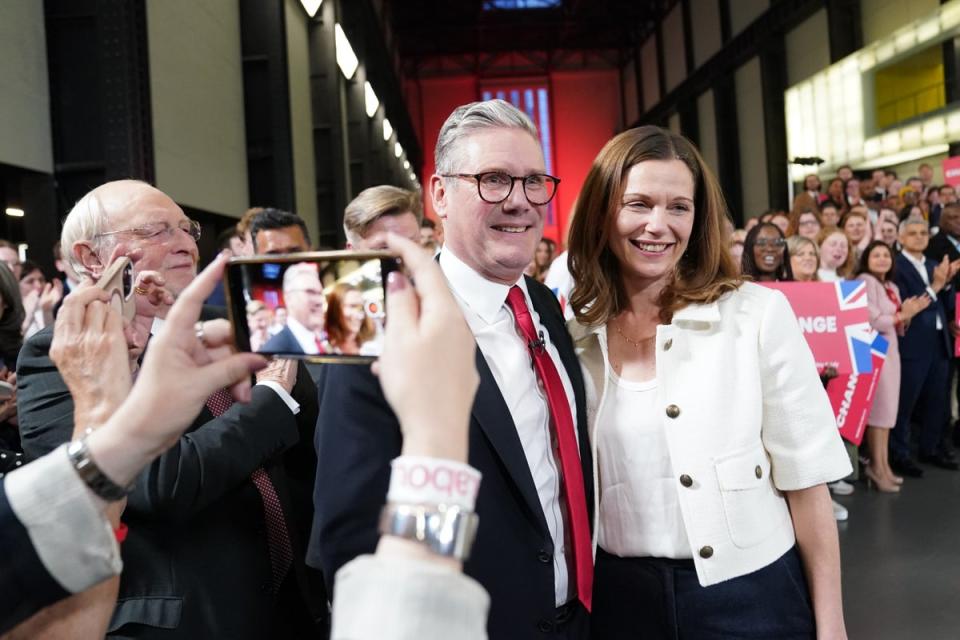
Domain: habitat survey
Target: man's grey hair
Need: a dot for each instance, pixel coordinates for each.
(86, 221)
(473, 117)
(295, 271)
(912, 220)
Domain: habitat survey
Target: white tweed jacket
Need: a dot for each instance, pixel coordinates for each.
(745, 416)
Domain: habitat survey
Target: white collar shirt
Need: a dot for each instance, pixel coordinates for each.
(306, 338)
(921, 266)
(492, 323)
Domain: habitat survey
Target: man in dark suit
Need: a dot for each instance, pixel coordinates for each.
(925, 352)
(205, 554)
(947, 243)
(306, 307)
(532, 552)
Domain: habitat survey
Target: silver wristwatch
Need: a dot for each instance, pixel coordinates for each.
(90, 473)
(447, 530)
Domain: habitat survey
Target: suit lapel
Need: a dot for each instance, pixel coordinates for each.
(493, 416)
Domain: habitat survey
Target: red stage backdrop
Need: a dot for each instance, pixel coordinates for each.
(584, 112)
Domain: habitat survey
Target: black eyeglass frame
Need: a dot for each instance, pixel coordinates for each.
(476, 177)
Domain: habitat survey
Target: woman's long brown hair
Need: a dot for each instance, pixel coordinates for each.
(705, 272)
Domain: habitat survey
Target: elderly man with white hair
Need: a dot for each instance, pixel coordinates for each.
(214, 523)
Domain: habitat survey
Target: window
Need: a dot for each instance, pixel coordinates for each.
(493, 5)
(534, 100)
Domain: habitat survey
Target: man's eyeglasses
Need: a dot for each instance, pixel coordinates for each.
(155, 230)
(496, 186)
(771, 242)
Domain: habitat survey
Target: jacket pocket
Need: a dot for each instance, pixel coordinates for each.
(161, 612)
(752, 506)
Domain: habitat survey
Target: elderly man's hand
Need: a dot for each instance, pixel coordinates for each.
(427, 369)
(90, 352)
(179, 372)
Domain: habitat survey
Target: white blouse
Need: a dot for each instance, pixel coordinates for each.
(640, 512)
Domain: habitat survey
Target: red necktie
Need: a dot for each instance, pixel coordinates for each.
(278, 538)
(319, 344)
(569, 451)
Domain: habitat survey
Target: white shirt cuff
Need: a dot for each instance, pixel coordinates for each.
(932, 293)
(286, 397)
(74, 540)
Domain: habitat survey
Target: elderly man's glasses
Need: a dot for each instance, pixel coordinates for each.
(160, 230)
(496, 186)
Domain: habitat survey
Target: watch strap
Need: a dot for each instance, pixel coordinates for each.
(97, 481)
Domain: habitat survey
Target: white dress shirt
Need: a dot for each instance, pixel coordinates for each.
(640, 512)
(288, 400)
(64, 520)
(305, 337)
(484, 306)
(921, 266)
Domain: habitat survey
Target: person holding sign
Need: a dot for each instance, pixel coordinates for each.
(714, 438)
(890, 316)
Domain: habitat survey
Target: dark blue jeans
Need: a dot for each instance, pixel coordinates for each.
(655, 598)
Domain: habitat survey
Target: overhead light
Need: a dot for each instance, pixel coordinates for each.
(346, 58)
(14, 212)
(370, 99)
(413, 176)
(387, 129)
(311, 6)
(22, 251)
(406, 165)
(397, 149)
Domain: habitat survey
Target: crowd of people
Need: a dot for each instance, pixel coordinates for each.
(902, 240)
(499, 470)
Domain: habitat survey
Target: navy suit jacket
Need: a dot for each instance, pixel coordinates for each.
(358, 435)
(922, 334)
(25, 584)
(283, 342)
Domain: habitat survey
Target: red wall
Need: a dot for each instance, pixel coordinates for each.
(586, 113)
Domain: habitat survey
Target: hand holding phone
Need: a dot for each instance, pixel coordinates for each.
(320, 307)
(117, 280)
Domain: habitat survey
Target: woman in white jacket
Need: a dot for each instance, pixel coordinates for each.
(713, 435)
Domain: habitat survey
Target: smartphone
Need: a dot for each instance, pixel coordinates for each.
(6, 390)
(326, 306)
(117, 280)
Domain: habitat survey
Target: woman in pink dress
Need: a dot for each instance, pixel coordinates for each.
(888, 315)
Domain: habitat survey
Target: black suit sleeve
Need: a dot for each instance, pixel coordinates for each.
(25, 584)
(357, 437)
(212, 458)
(44, 404)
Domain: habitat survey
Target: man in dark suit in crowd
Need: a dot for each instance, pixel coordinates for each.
(925, 352)
(532, 552)
(947, 243)
(278, 232)
(306, 305)
(216, 523)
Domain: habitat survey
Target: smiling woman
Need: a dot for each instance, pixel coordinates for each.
(713, 436)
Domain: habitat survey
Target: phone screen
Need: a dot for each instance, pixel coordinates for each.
(320, 307)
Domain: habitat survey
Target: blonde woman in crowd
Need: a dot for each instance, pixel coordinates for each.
(804, 258)
(836, 255)
(707, 526)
